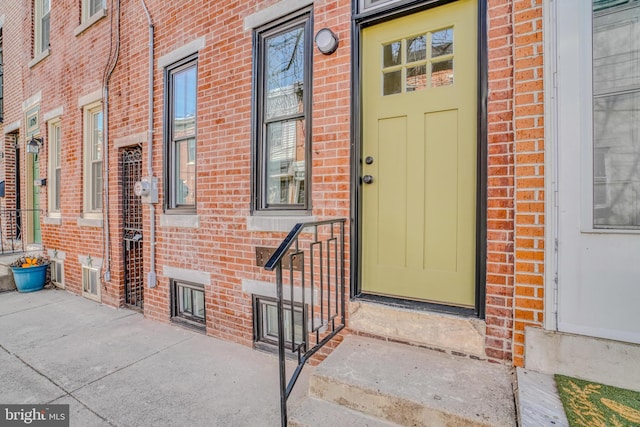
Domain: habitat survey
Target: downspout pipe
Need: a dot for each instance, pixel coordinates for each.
(105, 151)
(151, 276)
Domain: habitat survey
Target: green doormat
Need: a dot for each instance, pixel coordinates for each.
(590, 404)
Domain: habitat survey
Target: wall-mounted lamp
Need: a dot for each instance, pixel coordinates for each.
(327, 41)
(33, 146)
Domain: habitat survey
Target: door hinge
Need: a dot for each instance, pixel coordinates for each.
(555, 248)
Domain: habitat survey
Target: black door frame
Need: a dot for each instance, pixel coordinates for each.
(363, 20)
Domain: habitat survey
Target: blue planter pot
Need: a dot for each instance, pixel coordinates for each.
(30, 279)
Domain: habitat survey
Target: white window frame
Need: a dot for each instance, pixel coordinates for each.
(90, 209)
(86, 9)
(582, 96)
(88, 274)
(40, 16)
(55, 165)
(57, 266)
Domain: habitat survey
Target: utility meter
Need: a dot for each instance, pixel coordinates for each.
(147, 189)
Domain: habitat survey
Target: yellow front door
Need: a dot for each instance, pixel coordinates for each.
(419, 86)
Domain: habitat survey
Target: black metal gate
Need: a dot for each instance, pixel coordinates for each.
(132, 231)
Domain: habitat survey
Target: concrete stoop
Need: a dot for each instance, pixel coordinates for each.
(371, 382)
(453, 334)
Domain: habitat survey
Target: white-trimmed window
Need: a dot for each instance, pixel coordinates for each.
(41, 25)
(91, 282)
(616, 114)
(93, 160)
(57, 272)
(188, 303)
(181, 102)
(55, 166)
(91, 8)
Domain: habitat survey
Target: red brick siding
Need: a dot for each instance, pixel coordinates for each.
(500, 183)
(222, 246)
(529, 170)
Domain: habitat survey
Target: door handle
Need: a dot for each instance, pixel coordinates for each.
(367, 179)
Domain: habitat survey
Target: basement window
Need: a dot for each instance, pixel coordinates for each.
(57, 273)
(265, 321)
(90, 282)
(187, 304)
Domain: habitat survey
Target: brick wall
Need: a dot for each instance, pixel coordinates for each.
(500, 191)
(73, 69)
(529, 170)
(222, 246)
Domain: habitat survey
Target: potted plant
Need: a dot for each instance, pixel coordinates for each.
(30, 272)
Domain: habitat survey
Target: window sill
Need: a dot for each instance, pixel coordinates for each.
(42, 55)
(181, 221)
(89, 22)
(90, 222)
(283, 223)
(52, 220)
(189, 324)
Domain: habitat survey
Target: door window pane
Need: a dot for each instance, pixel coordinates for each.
(442, 43)
(616, 118)
(422, 66)
(416, 78)
(391, 54)
(417, 48)
(442, 73)
(392, 83)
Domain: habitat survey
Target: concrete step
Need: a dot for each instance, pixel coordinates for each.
(6, 279)
(538, 400)
(412, 386)
(454, 334)
(320, 413)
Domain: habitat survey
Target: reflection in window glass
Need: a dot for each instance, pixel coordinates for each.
(616, 114)
(416, 78)
(188, 303)
(184, 103)
(283, 133)
(417, 69)
(442, 73)
(285, 73)
(392, 83)
(417, 48)
(181, 123)
(95, 159)
(185, 171)
(391, 54)
(442, 43)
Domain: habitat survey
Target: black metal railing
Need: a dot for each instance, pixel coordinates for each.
(12, 221)
(313, 255)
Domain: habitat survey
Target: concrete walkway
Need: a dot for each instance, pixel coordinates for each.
(116, 368)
